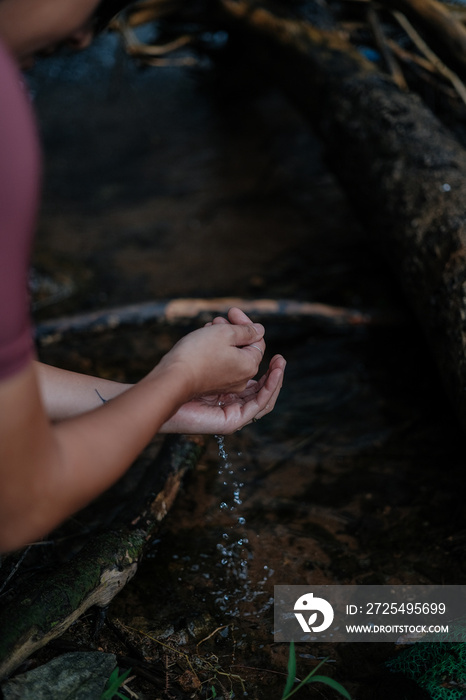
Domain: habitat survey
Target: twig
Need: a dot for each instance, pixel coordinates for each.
(218, 629)
(262, 670)
(135, 48)
(406, 55)
(15, 568)
(419, 42)
(381, 42)
(150, 11)
(128, 690)
(429, 73)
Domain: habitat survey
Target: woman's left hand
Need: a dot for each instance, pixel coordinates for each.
(223, 414)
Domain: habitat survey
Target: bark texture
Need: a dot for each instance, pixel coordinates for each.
(402, 170)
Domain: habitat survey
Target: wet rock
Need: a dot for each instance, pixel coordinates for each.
(75, 676)
(201, 626)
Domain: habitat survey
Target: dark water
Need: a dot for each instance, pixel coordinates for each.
(179, 183)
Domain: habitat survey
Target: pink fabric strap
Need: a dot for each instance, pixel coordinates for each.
(19, 194)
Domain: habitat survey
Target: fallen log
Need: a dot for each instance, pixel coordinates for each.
(404, 173)
(182, 311)
(43, 608)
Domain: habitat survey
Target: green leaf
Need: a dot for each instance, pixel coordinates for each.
(113, 683)
(310, 678)
(330, 682)
(291, 671)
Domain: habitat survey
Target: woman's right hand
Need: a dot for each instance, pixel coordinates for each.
(219, 358)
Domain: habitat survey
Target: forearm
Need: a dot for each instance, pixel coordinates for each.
(49, 471)
(100, 445)
(66, 394)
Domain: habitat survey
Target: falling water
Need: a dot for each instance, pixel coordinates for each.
(233, 552)
(231, 549)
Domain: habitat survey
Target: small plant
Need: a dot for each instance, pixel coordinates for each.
(114, 682)
(310, 678)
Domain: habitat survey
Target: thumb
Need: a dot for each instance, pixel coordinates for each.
(247, 334)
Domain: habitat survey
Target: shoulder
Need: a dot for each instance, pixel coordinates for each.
(18, 134)
(19, 151)
(19, 199)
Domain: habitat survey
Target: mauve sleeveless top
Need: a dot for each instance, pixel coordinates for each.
(19, 191)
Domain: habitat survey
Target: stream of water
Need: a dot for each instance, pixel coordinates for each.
(234, 554)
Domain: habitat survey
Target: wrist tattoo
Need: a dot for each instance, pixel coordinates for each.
(101, 397)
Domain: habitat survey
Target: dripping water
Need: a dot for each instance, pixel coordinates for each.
(233, 555)
(233, 551)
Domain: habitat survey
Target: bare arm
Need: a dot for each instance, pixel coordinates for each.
(48, 471)
(66, 394)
